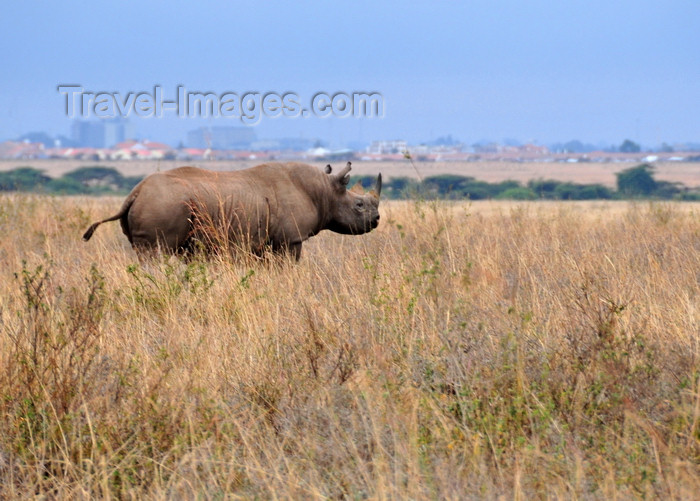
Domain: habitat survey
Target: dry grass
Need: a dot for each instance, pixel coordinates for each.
(459, 351)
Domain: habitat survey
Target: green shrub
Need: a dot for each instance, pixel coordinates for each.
(544, 188)
(520, 193)
(23, 179)
(636, 181)
(571, 191)
(66, 186)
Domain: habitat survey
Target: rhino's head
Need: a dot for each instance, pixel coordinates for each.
(354, 211)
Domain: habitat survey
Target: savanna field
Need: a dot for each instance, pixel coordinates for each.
(460, 351)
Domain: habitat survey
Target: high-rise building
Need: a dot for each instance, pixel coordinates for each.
(103, 133)
(88, 134)
(117, 130)
(221, 138)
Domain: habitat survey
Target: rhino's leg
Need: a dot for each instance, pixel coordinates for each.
(295, 250)
(287, 249)
(154, 242)
(145, 253)
(159, 227)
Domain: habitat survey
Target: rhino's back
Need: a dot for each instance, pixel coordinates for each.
(160, 212)
(163, 211)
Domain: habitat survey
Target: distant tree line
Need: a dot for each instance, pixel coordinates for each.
(94, 180)
(635, 182)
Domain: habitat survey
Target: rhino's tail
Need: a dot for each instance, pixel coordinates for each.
(122, 212)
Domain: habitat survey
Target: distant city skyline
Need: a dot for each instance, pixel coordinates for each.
(112, 139)
(597, 72)
(106, 133)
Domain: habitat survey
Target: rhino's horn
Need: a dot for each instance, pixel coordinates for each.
(357, 188)
(378, 186)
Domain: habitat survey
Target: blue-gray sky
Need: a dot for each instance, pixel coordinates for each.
(597, 71)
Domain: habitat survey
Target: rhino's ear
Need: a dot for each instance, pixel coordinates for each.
(343, 177)
(328, 169)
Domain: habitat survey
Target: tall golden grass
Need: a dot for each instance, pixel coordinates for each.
(525, 350)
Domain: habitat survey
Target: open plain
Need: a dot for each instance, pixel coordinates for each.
(525, 350)
(687, 173)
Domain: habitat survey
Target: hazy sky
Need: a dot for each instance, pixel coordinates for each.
(530, 70)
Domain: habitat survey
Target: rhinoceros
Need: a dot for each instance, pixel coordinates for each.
(273, 206)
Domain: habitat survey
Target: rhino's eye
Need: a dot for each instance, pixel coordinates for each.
(359, 203)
